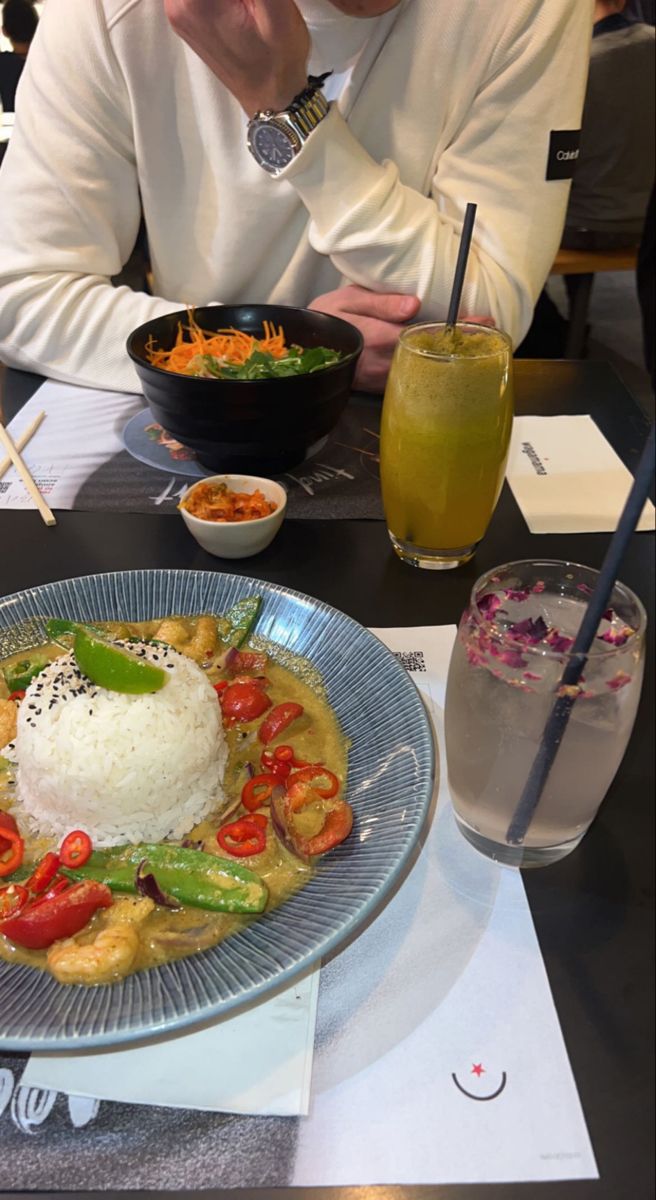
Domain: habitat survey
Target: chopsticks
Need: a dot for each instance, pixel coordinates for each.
(13, 456)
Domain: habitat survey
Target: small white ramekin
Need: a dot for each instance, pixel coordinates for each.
(238, 539)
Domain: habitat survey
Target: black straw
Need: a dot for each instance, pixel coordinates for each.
(461, 265)
(596, 607)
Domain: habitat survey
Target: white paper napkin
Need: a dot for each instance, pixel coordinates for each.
(259, 1061)
(566, 478)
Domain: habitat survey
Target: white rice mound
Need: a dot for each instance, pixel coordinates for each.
(123, 768)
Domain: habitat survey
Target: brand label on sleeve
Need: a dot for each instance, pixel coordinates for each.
(563, 153)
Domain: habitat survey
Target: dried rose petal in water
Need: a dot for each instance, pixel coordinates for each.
(530, 675)
(616, 639)
(538, 587)
(512, 658)
(512, 594)
(489, 604)
(619, 680)
(583, 587)
(531, 631)
(559, 641)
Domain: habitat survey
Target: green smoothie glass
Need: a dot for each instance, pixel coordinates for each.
(445, 432)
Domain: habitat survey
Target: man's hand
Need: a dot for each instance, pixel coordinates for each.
(380, 317)
(257, 48)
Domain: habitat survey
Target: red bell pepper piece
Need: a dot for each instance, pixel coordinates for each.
(16, 849)
(243, 661)
(244, 700)
(278, 719)
(18, 696)
(46, 921)
(6, 822)
(75, 849)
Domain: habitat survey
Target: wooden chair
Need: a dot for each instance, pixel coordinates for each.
(579, 267)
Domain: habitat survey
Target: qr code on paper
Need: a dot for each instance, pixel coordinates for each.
(412, 660)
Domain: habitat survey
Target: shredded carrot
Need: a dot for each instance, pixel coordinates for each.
(232, 346)
(215, 502)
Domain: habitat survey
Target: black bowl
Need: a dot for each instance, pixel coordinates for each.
(259, 427)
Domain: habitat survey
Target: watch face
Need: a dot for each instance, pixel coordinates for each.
(271, 147)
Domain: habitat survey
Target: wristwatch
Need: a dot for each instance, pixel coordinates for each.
(275, 138)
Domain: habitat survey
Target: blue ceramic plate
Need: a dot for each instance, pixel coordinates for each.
(154, 453)
(391, 769)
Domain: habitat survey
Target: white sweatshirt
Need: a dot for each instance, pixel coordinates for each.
(441, 102)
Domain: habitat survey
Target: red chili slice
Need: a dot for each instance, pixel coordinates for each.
(281, 770)
(258, 790)
(75, 849)
(58, 885)
(18, 696)
(242, 838)
(16, 851)
(13, 897)
(287, 754)
(43, 873)
(279, 719)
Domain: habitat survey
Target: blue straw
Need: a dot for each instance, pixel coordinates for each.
(461, 264)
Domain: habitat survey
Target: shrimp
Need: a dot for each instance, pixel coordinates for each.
(173, 632)
(112, 952)
(200, 646)
(8, 719)
(203, 644)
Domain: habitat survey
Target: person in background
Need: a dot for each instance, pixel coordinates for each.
(614, 172)
(160, 106)
(615, 169)
(19, 22)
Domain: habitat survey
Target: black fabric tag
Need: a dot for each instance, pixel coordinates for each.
(563, 153)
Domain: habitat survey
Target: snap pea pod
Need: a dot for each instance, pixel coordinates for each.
(18, 677)
(241, 619)
(56, 626)
(191, 876)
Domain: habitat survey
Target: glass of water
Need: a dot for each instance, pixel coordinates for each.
(513, 644)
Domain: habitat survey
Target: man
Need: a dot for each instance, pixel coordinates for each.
(19, 22)
(615, 169)
(145, 104)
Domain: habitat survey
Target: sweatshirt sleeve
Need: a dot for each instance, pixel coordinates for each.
(68, 198)
(375, 229)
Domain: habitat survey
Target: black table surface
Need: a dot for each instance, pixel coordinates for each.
(594, 910)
